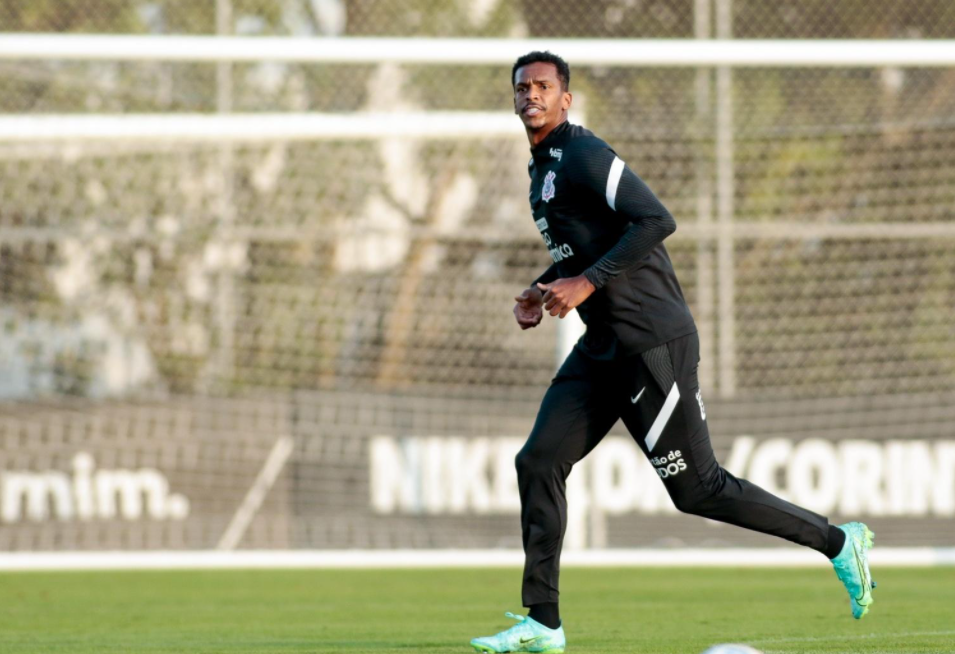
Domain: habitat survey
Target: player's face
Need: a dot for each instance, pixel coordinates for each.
(539, 99)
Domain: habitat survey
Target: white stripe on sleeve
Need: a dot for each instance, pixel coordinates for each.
(613, 180)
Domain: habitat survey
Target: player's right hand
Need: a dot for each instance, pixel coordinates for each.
(528, 309)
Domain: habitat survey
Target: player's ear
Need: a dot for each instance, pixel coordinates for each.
(567, 99)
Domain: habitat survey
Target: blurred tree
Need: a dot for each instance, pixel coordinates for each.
(110, 16)
(609, 18)
(430, 18)
(843, 19)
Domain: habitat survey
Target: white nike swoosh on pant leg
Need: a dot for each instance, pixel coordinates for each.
(636, 399)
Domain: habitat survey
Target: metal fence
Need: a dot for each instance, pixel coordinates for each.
(814, 210)
(853, 19)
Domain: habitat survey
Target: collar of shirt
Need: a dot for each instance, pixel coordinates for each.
(542, 150)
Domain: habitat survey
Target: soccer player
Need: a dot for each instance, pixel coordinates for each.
(637, 361)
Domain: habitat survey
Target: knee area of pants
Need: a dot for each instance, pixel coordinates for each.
(531, 464)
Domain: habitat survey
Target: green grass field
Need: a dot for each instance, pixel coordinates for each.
(663, 610)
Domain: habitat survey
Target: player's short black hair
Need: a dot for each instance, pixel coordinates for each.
(547, 57)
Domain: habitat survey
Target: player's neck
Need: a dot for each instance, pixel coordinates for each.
(536, 137)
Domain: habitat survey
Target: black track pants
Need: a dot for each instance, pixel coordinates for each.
(657, 395)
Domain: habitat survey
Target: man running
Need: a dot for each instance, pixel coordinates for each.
(604, 229)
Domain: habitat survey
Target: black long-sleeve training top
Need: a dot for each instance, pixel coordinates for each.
(599, 219)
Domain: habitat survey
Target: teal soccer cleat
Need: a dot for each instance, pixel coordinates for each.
(527, 635)
(852, 567)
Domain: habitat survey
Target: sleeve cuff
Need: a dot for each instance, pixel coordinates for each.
(595, 277)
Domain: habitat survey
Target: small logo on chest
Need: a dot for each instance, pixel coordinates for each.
(548, 191)
(557, 153)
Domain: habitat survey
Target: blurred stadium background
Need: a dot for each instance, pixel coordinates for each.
(265, 303)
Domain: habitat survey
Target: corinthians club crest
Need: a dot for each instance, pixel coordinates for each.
(547, 193)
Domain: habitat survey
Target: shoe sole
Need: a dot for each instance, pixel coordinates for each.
(862, 560)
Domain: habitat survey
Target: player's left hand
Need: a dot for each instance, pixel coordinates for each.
(564, 295)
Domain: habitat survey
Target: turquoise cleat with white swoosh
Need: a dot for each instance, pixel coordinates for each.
(852, 567)
(527, 635)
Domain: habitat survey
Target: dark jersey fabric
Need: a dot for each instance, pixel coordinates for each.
(638, 303)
